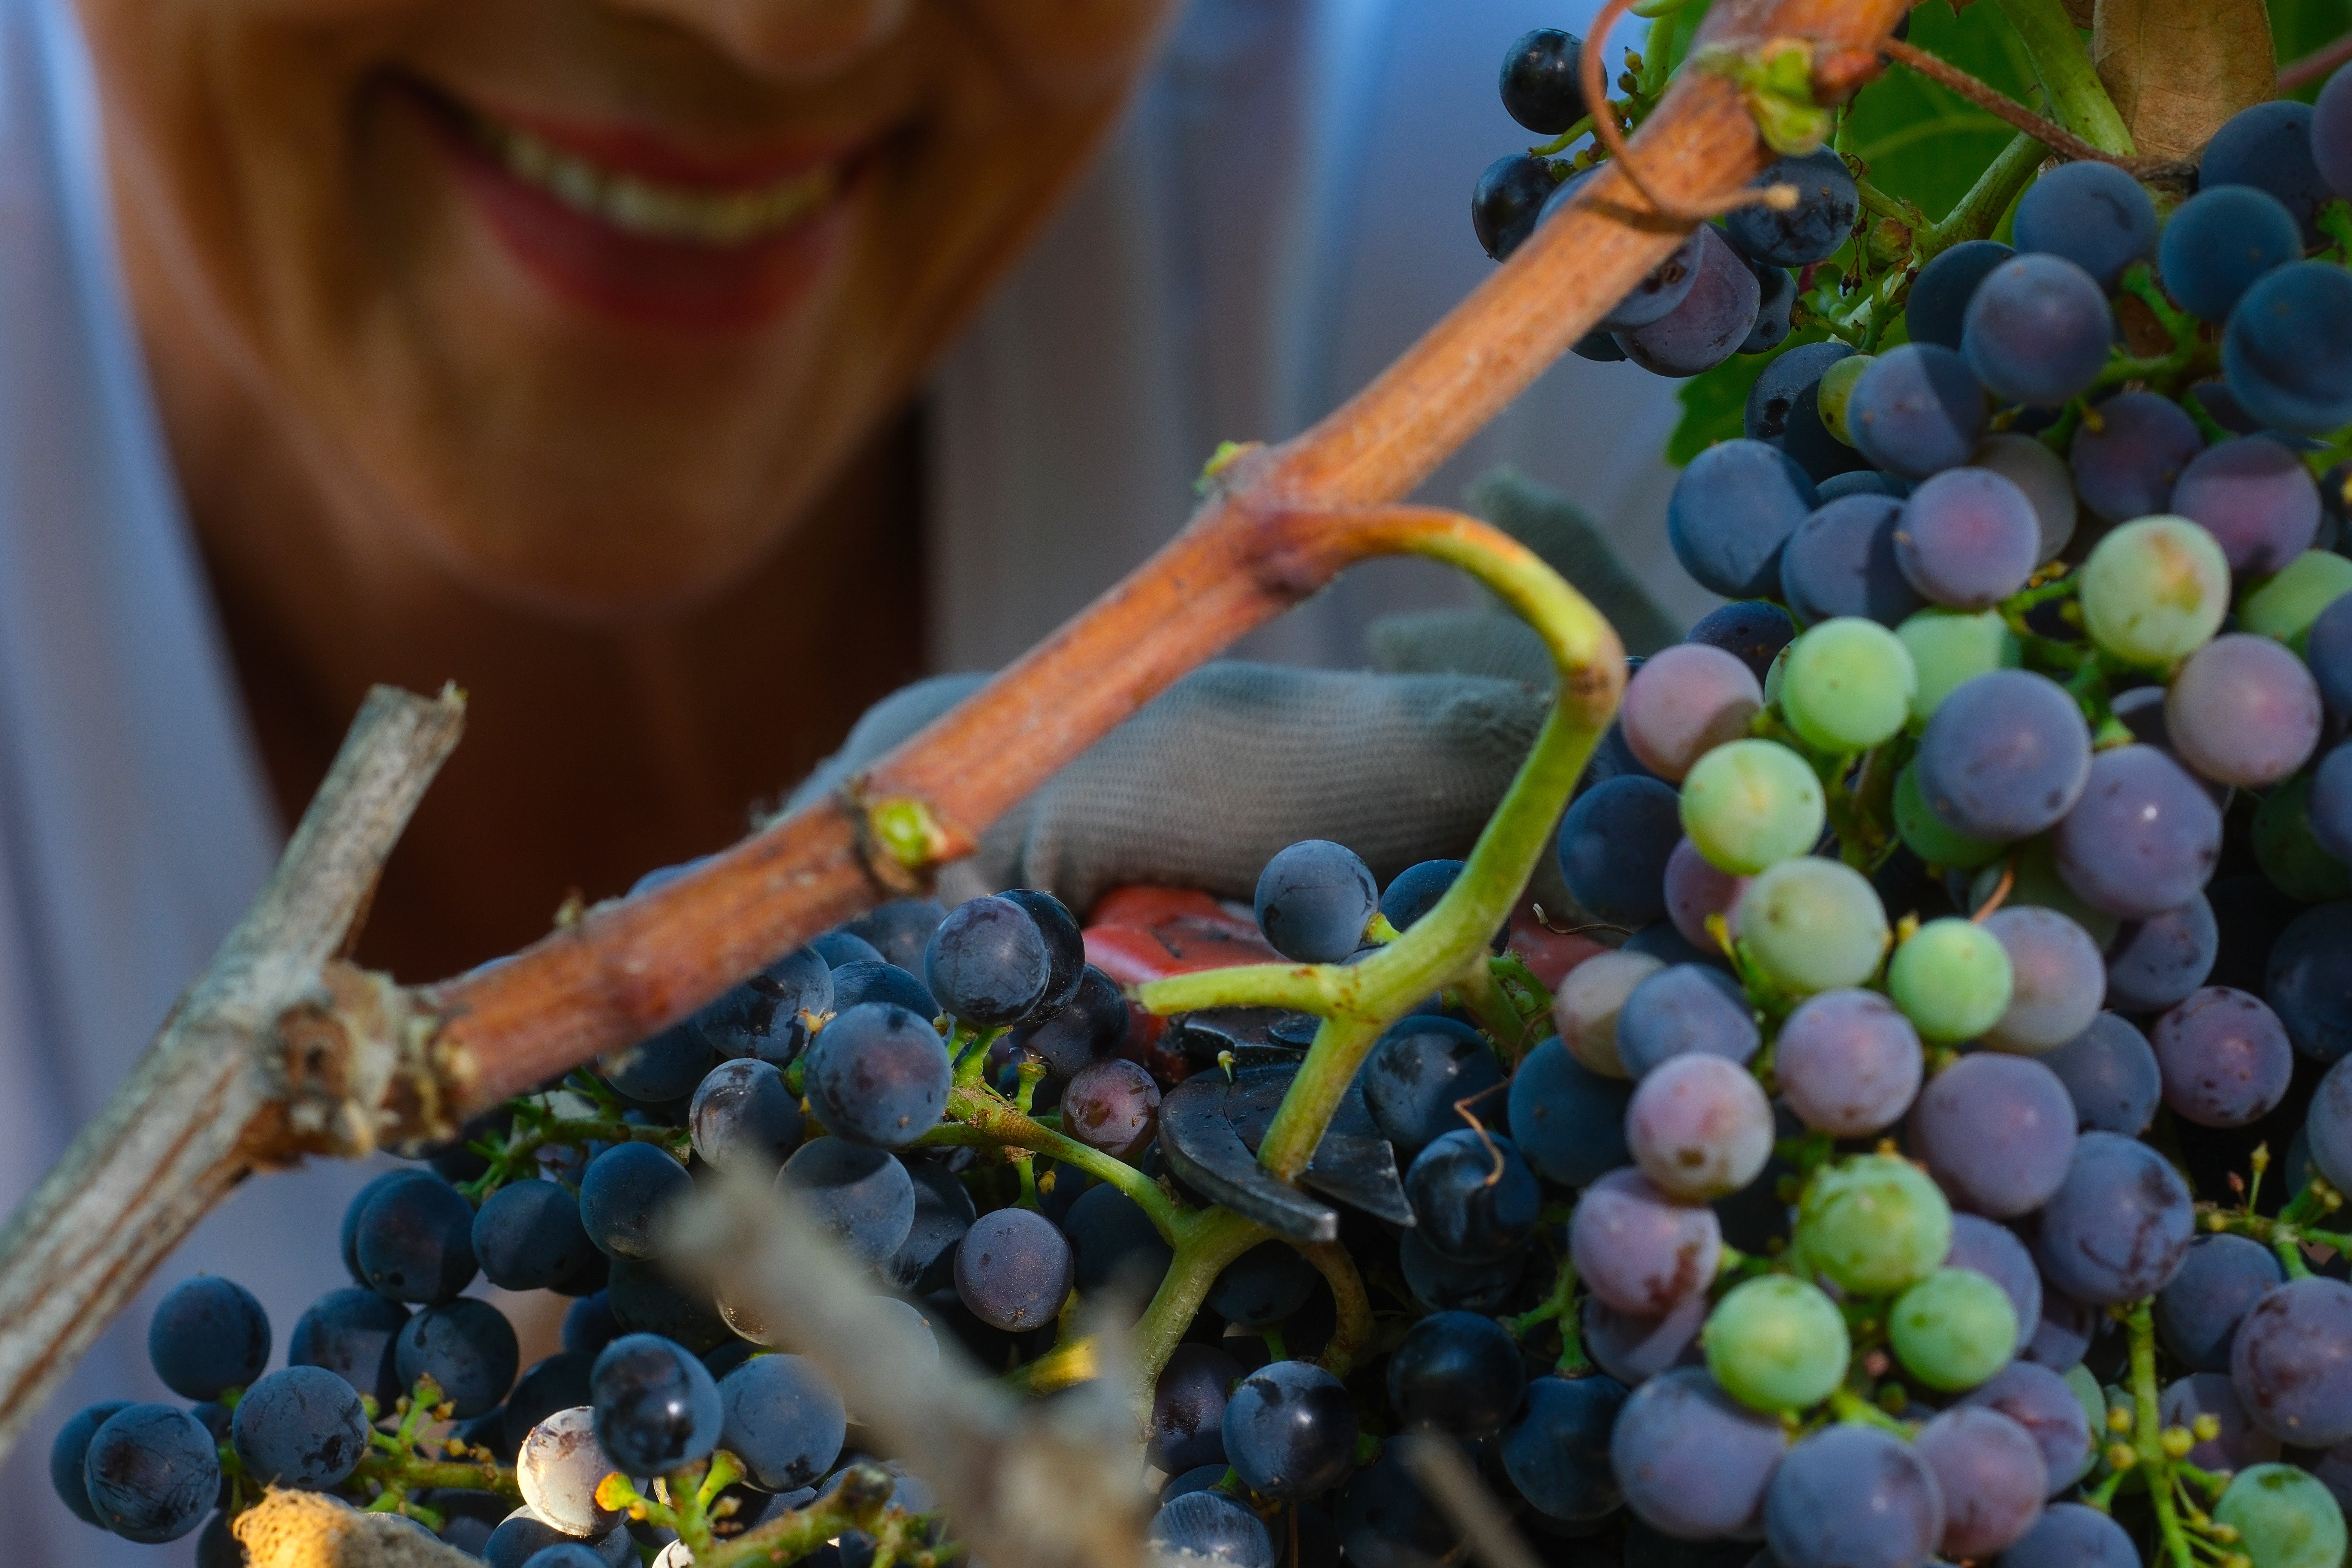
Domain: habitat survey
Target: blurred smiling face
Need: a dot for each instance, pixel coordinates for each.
(587, 299)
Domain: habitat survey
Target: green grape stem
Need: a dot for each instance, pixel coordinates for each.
(2147, 1434)
(2078, 98)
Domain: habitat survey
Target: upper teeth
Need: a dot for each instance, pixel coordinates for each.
(641, 207)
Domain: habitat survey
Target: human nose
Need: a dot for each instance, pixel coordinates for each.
(785, 40)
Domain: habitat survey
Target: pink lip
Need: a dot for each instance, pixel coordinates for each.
(641, 279)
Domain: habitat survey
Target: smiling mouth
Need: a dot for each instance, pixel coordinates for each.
(717, 216)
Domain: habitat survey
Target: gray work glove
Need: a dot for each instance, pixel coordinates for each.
(1237, 760)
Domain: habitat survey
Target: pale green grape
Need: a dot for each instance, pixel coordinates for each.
(1837, 391)
(1925, 832)
(2155, 591)
(1813, 924)
(2284, 1518)
(1948, 646)
(1849, 685)
(1954, 1329)
(1952, 980)
(1777, 1344)
(1750, 804)
(2285, 605)
(1874, 1225)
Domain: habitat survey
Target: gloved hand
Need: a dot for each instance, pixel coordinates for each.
(1238, 760)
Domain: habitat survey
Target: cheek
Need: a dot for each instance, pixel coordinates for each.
(1069, 49)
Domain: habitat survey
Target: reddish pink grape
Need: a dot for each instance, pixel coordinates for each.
(1685, 701)
(2243, 711)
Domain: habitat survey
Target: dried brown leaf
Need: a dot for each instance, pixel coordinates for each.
(2178, 68)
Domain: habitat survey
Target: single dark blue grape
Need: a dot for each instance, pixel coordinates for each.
(1568, 1120)
(1114, 1243)
(2269, 146)
(1414, 891)
(784, 1418)
(523, 1535)
(1776, 306)
(1996, 1132)
(1264, 1286)
(1441, 1284)
(1613, 845)
(660, 1069)
(467, 1346)
(2039, 1400)
(1387, 1520)
(1734, 507)
(2125, 465)
(2037, 331)
(1711, 320)
(2197, 1312)
(988, 962)
(2291, 1362)
(625, 1197)
(1684, 1007)
(70, 1448)
(1557, 1449)
(1789, 380)
(358, 1206)
(2309, 978)
(528, 1234)
(2118, 1226)
(2288, 348)
(152, 1473)
(925, 1261)
(1506, 200)
(1918, 410)
(1694, 1464)
(1827, 204)
(1091, 1027)
(1313, 899)
(1840, 562)
(762, 1017)
(1852, 1497)
(2155, 963)
(209, 1335)
(2257, 499)
(862, 1195)
(1540, 82)
(2005, 755)
(351, 1332)
(1066, 949)
(1420, 1071)
(2110, 1073)
(900, 929)
(1753, 631)
(1473, 1196)
(2094, 214)
(1989, 1475)
(2143, 837)
(2218, 241)
(1186, 1427)
(657, 1407)
(589, 1324)
(558, 1382)
(855, 984)
(301, 1428)
(645, 1300)
(1290, 1430)
(2068, 1536)
(725, 1358)
(1210, 1527)
(416, 1242)
(1015, 1269)
(1939, 297)
(2224, 1056)
(878, 1075)
(1461, 1373)
(840, 947)
(743, 1118)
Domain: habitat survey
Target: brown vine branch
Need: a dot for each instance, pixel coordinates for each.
(2314, 65)
(279, 1051)
(2049, 132)
(1592, 81)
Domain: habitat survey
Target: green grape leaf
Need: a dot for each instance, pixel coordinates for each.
(1926, 143)
(2299, 27)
